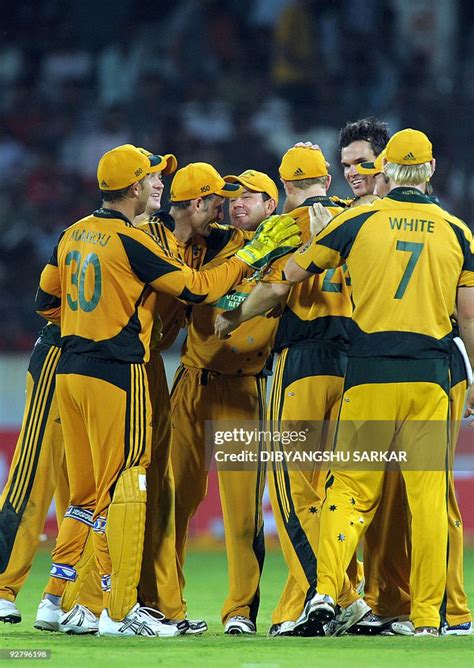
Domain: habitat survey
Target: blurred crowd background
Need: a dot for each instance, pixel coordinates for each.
(230, 82)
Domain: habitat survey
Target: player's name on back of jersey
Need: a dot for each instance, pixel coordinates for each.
(412, 224)
(89, 237)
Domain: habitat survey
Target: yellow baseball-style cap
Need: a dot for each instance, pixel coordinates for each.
(409, 147)
(122, 166)
(256, 182)
(167, 164)
(199, 179)
(374, 167)
(303, 162)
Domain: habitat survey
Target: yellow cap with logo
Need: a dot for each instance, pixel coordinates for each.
(374, 167)
(303, 162)
(409, 147)
(199, 179)
(167, 164)
(256, 182)
(122, 166)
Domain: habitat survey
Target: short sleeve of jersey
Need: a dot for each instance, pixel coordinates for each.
(466, 278)
(331, 247)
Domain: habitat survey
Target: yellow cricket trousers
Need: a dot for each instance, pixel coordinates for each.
(307, 385)
(106, 420)
(34, 472)
(199, 395)
(159, 582)
(387, 549)
(38, 469)
(391, 403)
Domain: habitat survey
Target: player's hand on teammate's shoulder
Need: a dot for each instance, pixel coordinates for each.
(319, 217)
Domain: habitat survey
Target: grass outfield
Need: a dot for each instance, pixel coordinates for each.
(206, 572)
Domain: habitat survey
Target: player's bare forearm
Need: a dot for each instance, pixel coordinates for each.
(263, 297)
(294, 273)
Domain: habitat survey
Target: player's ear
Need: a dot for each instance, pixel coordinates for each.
(328, 181)
(135, 188)
(196, 205)
(270, 206)
(433, 166)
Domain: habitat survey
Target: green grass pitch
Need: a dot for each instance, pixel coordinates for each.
(206, 589)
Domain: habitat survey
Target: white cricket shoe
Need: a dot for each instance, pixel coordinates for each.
(348, 617)
(372, 624)
(140, 621)
(318, 611)
(426, 632)
(47, 617)
(464, 629)
(282, 629)
(194, 627)
(239, 625)
(9, 613)
(405, 628)
(78, 621)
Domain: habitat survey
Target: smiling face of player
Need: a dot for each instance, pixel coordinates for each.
(249, 209)
(207, 210)
(354, 154)
(143, 193)
(156, 191)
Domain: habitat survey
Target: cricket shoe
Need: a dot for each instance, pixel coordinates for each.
(317, 612)
(78, 621)
(194, 627)
(372, 625)
(282, 629)
(464, 629)
(426, 632)
(350, 616)
(140, 621)
(9, 613)
(405, 628)
(239, 625)
(47, 616)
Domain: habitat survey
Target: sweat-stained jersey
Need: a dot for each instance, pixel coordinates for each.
(319, 308)
(406, 257)
(100, 284)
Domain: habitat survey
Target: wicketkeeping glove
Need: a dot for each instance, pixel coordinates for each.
(274, 237)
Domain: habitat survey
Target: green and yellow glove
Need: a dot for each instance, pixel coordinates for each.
(276, 236)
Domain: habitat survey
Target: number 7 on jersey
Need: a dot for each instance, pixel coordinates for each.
(415, 249)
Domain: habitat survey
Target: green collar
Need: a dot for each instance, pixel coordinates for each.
(111, 213)
(405, 194)
(323, 199)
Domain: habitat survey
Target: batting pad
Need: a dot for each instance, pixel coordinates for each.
(125, 530)
(83, 567)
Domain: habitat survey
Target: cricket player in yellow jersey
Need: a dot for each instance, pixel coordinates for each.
(221, 380)
(159, 583)
(387, 563)
(401, 251)
(100, 283)
(311, 341)
(36, 474)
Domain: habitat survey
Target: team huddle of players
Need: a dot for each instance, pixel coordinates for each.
(362, 326)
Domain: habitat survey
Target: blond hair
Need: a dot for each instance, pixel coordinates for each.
(302, 184)
(408, 175)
